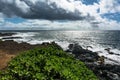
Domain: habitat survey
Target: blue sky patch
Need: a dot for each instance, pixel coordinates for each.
(90, 2)
(113, 16)
(15, 20)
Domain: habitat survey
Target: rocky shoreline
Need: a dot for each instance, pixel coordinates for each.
(96, 63)
(10, 49)
(6, 34)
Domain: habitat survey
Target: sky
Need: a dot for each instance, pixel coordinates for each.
(59, 14)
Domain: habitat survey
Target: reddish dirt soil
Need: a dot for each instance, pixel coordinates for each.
(10, 49)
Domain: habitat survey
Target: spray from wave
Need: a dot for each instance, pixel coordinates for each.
(97, 40)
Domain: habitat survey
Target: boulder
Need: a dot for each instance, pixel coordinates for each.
(82, 54)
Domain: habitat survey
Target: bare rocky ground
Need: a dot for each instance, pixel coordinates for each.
(10, 49)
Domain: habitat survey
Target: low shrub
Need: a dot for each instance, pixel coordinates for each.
(47, 63)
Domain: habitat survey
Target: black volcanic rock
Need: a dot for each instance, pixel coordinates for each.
(6, 34)
(106, 71)
(82, 54)
(12, 38)
(96, 62)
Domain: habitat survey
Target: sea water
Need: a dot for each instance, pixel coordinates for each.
(98, 40)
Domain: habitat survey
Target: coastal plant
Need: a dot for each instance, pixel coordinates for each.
(46, 63)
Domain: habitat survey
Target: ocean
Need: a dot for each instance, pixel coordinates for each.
(98, 40)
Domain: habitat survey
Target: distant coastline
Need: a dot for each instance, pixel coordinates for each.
(49, 30)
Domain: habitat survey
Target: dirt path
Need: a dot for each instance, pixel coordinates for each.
(10, 49)
(5, 58)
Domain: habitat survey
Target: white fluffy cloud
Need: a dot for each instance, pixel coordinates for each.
(43, 9)
(109, 6)
(47, 25)
(1, 19)
(87, 16)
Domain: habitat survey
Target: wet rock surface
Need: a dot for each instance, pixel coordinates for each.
(6, 34)
(4, 38)
(83, 54)
(95, 63)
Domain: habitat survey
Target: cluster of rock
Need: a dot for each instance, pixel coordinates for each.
(6, 34)
(95, 63)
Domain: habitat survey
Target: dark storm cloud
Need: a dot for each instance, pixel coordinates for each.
(9, 8)
(44, 11)
(41, 9)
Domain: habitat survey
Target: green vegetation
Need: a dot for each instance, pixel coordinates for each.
(46, 63)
